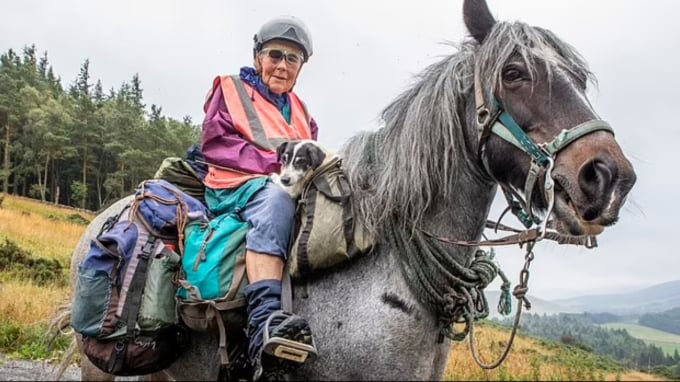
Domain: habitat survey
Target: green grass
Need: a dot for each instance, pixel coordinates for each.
(19, 341)
(669, 342)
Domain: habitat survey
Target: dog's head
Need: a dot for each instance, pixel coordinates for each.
(299, 159)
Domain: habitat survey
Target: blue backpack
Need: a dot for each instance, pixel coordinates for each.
(124, 303)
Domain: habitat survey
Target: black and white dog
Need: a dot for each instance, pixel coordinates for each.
(299, 159)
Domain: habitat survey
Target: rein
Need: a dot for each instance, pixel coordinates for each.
(542, 156)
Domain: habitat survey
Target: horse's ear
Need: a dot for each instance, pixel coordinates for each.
(478, 18)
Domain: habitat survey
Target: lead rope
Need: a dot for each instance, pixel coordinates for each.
(439, 280)
(519, 292)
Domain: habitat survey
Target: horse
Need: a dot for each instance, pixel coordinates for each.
(508, 110)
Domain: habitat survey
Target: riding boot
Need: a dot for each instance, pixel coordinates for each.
(279, 341)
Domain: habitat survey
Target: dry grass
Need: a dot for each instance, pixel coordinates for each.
(531, 360)
(637, 376)
(43, 230)
(29, 304)
(40, 228)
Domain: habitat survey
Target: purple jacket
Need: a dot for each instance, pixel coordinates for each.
(223, 146)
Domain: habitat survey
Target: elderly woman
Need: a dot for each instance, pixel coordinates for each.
(247, 116)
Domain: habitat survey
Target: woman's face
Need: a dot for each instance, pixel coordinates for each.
(277, 66)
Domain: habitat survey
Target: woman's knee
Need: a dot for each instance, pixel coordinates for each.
(271, 216)
(278, 199)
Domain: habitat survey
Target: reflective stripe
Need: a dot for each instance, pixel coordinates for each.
(258, 120)
(259, 138)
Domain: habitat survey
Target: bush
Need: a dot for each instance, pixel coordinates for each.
(20, 264)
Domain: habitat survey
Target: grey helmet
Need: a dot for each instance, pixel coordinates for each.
(287, 28)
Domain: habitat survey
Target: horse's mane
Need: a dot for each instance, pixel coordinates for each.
(393, 171)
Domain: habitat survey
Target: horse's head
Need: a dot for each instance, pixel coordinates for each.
(532, 109)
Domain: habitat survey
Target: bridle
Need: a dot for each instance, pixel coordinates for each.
(542, 157)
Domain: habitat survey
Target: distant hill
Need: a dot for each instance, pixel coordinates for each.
(538, 306)
(669, 342)
(653, 299)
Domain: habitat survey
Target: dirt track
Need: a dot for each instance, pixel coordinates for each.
(11, 370)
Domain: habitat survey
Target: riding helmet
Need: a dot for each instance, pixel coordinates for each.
(287, 28)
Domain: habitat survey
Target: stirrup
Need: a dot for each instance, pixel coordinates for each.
(290, 340)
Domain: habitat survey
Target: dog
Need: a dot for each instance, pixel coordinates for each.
(299, 160)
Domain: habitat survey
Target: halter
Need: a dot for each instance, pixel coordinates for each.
(542, 155)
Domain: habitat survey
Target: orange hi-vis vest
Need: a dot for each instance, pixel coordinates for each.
(259, 121)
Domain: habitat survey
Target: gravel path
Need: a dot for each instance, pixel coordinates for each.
(12, 370)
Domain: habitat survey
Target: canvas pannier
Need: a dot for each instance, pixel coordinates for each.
(327, 233)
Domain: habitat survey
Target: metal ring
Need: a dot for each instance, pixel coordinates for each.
(483, 115)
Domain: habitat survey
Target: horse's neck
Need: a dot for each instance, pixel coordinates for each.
(462, 215)
(435, 270)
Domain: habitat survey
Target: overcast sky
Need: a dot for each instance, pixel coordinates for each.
(365, 54)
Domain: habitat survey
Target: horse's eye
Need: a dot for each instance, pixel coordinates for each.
(512, 75)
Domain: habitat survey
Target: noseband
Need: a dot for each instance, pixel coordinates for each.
(542, 155)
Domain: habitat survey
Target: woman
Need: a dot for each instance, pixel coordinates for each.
(247, 116)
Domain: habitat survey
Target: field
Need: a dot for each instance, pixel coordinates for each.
(532, 360)
(50, 233)
(42, 232)
(667, 341)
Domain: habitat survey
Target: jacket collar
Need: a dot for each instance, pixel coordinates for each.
(250, 76)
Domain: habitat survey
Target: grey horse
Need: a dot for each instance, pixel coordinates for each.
(432, 170)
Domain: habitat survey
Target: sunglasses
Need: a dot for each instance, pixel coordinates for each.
(277, 54)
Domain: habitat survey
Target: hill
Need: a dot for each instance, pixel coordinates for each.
(538, 305)
(532, 359)
(653, 299)
(669, 342)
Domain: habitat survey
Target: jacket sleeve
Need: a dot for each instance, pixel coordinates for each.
(223, 146)
(313, 129)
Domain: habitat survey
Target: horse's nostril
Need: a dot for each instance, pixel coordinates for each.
(591, 214)
(597, 177)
